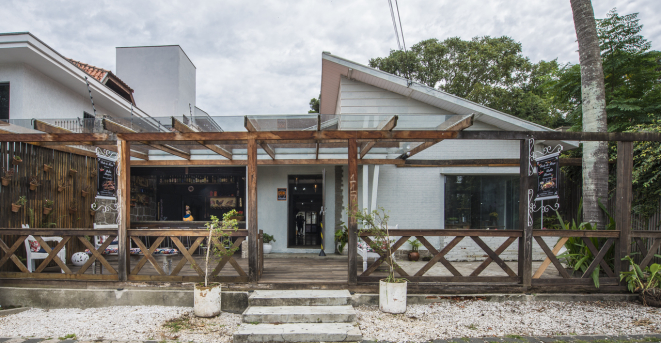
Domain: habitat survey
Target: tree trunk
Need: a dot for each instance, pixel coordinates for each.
(593, 93)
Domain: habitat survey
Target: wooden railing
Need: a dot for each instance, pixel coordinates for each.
(439, 256)
(67, 235)
(187, 252)
(607, 239)
(646, 255)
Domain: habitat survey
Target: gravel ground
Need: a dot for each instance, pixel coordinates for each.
(121, 323)
(422, 323)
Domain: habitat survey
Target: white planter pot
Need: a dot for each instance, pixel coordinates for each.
(207, 300)
(267, 248)
(392, 297)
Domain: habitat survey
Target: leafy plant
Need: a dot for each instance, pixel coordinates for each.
(415, 245)
(9, 173)
(268, 238)
(578, 255)
(639, 281)
(48, 203)
(17, 158)
(342, 236)
(223, 229)
(22, 200)
(375, 224)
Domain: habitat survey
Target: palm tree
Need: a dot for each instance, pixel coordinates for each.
(593, 93)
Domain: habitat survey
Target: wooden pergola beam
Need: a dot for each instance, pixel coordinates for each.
(154, 163)
(316, 155)
(332, 136)
(49, 128)
(63, 148)
(183, 128)
(455, 123)
(251, 128)
(386, 125)
(121, 129)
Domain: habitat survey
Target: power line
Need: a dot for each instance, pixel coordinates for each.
(400, 24)
(394, 23)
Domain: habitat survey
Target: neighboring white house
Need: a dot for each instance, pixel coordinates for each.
(36, 82)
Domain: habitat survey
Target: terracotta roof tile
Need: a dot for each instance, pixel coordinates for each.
(99, 74)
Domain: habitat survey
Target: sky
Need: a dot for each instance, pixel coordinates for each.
(264, 57)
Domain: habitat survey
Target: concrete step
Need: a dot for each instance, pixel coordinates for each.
(299, 314)
(300, 298)
(303, 332)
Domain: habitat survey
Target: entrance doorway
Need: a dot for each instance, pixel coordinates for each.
(306, 201)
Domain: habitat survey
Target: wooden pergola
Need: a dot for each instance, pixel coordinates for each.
(136, 144)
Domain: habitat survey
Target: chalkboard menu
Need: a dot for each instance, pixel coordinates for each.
(107, 177)
(547, 177)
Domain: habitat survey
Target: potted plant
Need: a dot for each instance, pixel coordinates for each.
(414, 254)
(72, 172)
(85, 191)
(207, 296)
(34, 183)
(17, 205)
(342, 237)
(392, 290)
(238, 216)
(73, 207)
(645, 283)
(93, 174)
(267, 243)
(48, 168)
(61, 185)
(16, 160)
(48, 206)
(7, 178)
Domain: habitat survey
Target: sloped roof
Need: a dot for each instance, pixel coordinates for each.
(103, 75)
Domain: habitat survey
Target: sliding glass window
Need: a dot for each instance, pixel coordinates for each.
(482, 202)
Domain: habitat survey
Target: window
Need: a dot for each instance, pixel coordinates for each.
(88, 122)
(4, 101)
(482, 202)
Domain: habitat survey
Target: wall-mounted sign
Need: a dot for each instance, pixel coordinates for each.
(107, 175)
(547, 177)
(222, 202)
(282, 194)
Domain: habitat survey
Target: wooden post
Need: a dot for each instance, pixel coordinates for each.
(525, 242)
(353, 205)
(623, 198)
(124, 205)
(253, 263)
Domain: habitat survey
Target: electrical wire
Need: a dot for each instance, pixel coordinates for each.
(400, 24)
(394, 23)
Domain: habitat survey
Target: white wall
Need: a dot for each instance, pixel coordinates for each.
(162, 77)
(272, 214)
(35, 95)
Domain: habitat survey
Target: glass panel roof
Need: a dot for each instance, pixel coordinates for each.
(300, 122)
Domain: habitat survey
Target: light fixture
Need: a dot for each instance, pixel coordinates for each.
(303, 188)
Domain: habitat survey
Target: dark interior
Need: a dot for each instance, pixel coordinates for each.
(305, 202)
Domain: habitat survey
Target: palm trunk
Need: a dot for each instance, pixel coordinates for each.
(595, 154)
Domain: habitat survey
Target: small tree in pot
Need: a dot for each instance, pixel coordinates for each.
(207, 296)
(414, 254)
(267, 243)
(392, 290)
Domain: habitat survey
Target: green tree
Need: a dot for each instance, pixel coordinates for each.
(491, 71)
(314, 105)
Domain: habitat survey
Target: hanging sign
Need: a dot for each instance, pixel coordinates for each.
(107, 175)
(547, 177)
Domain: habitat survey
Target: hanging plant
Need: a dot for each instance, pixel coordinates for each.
(73, 207)
(93, 174)
(34, 183)
(85, 191)
(48, 168)
(72, 172)
(7, 178)
(16, 160)
(48, 206)
(61, 185)
(17, 205)
(93, 208)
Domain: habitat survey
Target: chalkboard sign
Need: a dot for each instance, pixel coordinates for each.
(107, 176)
(547, 177)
